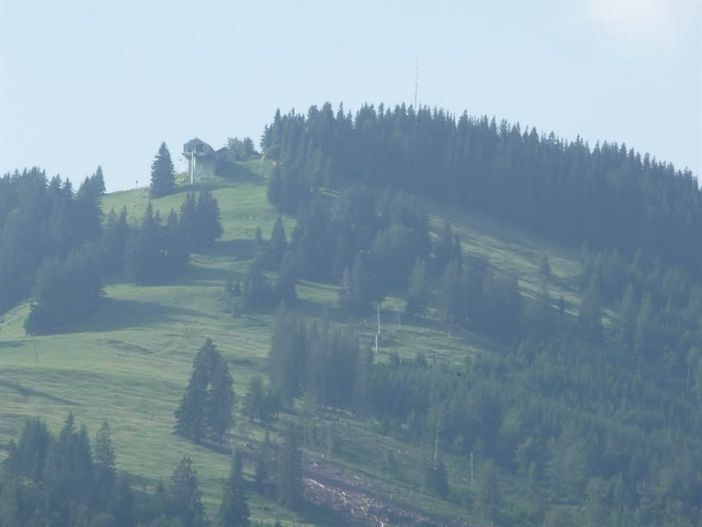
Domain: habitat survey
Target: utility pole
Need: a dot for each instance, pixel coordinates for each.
(193, 160)
(377, 332)
(436, 440)
(471, 468)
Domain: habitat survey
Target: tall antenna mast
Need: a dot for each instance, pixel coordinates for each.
(416, 83)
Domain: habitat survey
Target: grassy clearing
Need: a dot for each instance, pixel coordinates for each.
(129, 362)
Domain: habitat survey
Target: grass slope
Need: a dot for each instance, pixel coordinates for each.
(130, 361)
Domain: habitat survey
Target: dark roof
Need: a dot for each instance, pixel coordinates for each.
(198, 146)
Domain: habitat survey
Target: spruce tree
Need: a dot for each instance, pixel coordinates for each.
(105, 464)
(257, 293)
(121, 504)
(220, 402)
(254, 400)
(234, 510)
(289, 480)
(207, 220)
(162, 173)
(143, 258)
(287, 278)
(288, 355)
(590, 315)
(277, 246)
(417, 293)
(185, 497)
(205, 411)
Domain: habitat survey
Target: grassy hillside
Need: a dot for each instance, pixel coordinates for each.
(129, 362)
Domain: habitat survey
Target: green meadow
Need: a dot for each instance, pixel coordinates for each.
(129, 362)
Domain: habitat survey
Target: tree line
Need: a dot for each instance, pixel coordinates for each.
(69, 480)
(607, 195)
(57, 246)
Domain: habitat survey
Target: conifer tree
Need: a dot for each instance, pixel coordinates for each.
(288, 355)
(162, 173)
(176, 253)
(255, 400)
(105, 464)
(451, 294)
(143, 258)
(205, 411)
(417, 293)
(289, 480)
(121, 504)
(590, 315)
(277, 246)
(256, 293)
(189, 221)
(234, 510)
(113, 244)
(220, 402)
(287, 278)
(207, 220)
(185, 497)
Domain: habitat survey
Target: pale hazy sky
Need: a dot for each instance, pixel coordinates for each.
(104, 82)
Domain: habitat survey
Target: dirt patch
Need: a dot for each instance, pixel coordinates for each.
(366, 502)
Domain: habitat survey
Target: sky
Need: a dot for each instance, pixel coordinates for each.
(100, 82)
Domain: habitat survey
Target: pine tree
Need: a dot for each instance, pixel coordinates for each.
(143, 258)
(277, 246)
(207, 220)
(256, 293)
(113, 244)
(359, 289)
(289, 480)
(190, 415)
(234, 511)
(590, 316)
(189, 221)
(255, 400)
(451, 294)
(220, 402)
(205, 411)
(176, 253)
(121, 504)
(105, 464)
(288, 355)
(185, 496)
(162, 173)
(287, 278)
(417, 293)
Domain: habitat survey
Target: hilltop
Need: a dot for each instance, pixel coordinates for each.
(442, 363)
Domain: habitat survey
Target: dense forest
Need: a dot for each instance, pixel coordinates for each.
(607, 195)
(601, 411)
(584, 411)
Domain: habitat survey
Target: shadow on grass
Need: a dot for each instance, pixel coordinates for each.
(204, 274)
(11, 344)
(25, 391)
(242, 249)
(240, 173)
(318, 515)
(114, 314)
(322, 311)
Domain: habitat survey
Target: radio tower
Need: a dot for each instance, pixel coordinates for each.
(416, 83)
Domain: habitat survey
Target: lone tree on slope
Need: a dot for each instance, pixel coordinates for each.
(162, 173)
